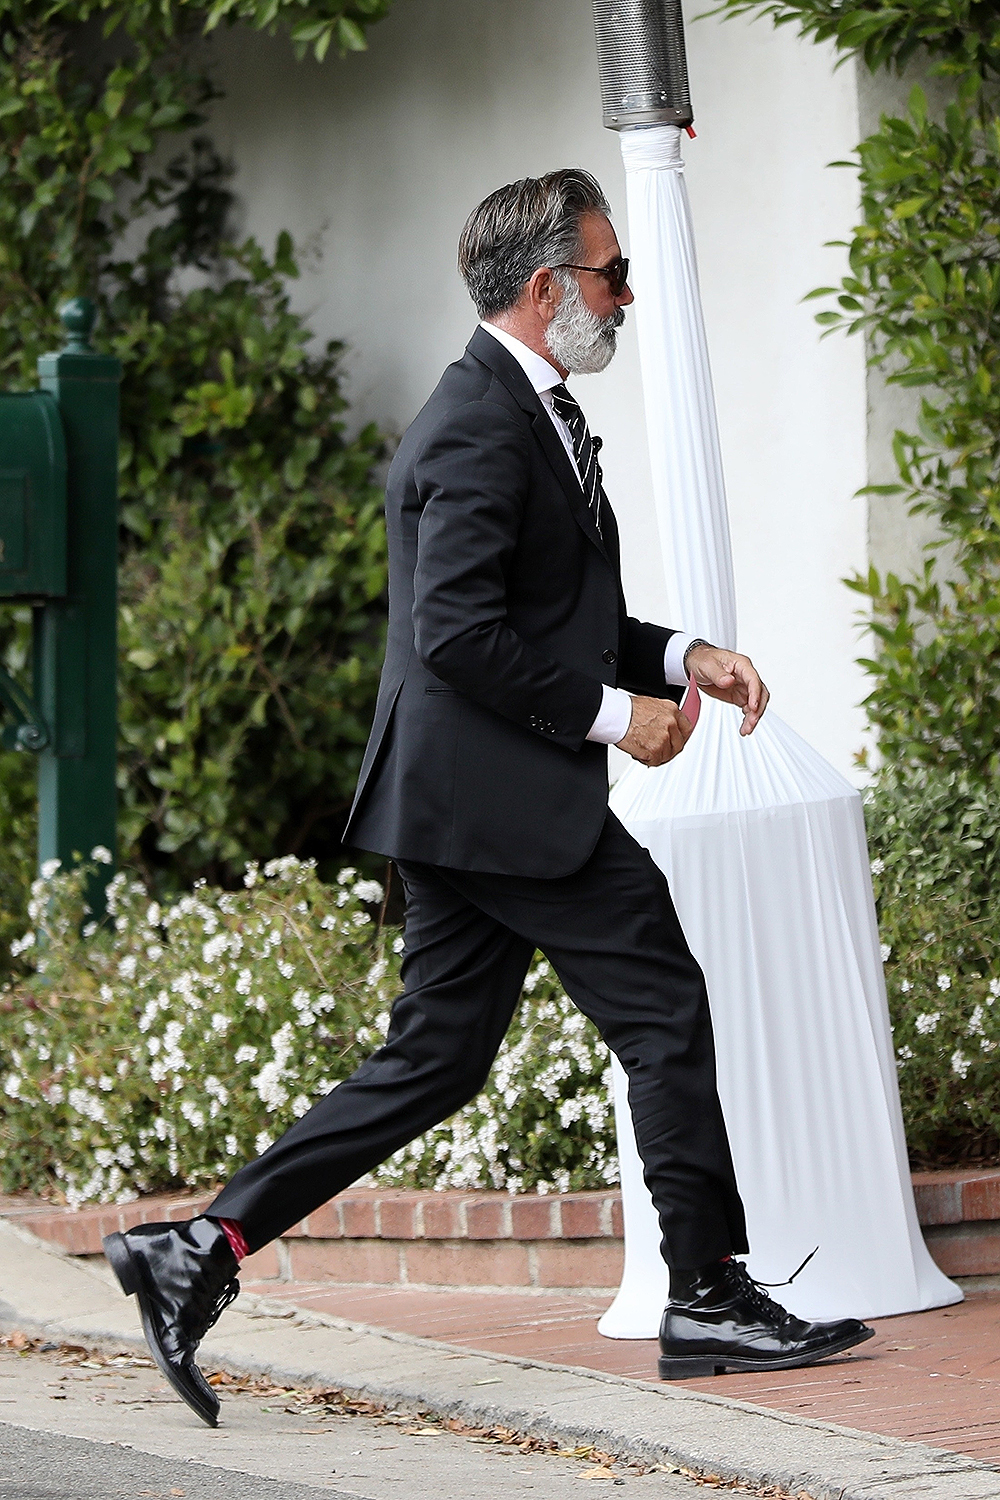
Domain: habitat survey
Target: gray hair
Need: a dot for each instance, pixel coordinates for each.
(527, 224)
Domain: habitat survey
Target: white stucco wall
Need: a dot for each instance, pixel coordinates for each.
(380, 157)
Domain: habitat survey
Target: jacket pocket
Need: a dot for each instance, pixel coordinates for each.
(448, 692)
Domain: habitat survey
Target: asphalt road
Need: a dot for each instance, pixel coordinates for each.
(75, 1425)
(47, 1466)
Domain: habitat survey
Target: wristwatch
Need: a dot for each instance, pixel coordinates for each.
(698, 641)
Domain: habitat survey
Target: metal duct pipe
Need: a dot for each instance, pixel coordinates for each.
(642, 63)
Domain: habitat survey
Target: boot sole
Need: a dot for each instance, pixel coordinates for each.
(120, 1259)
(695, 1366)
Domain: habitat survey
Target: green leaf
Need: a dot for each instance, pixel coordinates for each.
(910, 206)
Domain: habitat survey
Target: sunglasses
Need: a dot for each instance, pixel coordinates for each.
(615, 273)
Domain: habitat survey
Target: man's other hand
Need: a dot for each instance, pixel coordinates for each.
(657, 733)
(731, 678)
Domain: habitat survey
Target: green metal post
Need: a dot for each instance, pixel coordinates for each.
(76, 638)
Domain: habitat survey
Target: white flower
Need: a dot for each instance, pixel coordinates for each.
(192, 1114)
(329, 922)
(49, 868)
(885, 951)
(127, 966)
(906, 986)
(398, 944)
(878, 865)
(221, 1023)
(231, 1146)
(368, 890)
(269, 1081)
(249, 880)
(285, 970)
(975, 1027)
(904, 1054)
(12, 1086)
(215, 947)
(960, 1064)
(245, 1054)
(100, 855)
(927, 1023)
(153, 914)
(216, 1089)
(88, 930)
(995, 988)
(243, 982)
(301, 1105)
(346, 875)
(944, 982)
(22, 944)
(262, 1143)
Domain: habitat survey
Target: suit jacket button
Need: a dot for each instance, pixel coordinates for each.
(610, 657)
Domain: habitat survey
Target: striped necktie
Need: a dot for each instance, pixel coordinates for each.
(584, 447)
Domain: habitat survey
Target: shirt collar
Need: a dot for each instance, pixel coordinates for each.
(542, 375)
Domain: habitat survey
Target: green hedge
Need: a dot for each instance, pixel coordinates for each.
(165, 1050)
(935, 845)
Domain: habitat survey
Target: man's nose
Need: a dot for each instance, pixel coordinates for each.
(626, 297)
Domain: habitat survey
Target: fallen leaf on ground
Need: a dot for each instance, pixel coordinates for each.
(597, 1474)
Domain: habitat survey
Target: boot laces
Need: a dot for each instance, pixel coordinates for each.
(229, 1294)
(755, 1293)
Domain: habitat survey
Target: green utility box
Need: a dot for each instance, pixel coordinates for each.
(32, 498)
(58, 552)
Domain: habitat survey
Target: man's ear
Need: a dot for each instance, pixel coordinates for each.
(543, 294)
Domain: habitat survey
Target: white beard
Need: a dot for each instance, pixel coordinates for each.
(578, 339)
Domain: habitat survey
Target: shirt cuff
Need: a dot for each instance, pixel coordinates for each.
(673, 659)
(613, 718)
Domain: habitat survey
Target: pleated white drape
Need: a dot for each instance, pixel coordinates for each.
(764, 847)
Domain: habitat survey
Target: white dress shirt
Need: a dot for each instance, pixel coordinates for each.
(615, 713)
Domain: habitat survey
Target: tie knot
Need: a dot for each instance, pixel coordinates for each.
(564, 402)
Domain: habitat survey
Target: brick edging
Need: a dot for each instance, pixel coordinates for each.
(361, 1214)
(951, 1198)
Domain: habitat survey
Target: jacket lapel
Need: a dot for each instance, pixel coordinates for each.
(495, 357)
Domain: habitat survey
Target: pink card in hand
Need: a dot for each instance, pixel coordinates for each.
(691, 702)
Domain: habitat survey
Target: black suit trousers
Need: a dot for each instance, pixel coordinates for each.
(612, 936)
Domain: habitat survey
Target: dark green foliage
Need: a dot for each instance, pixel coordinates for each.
(935, 842)
(253, 569)
(253, 566)
(925, 287)
(963, 34)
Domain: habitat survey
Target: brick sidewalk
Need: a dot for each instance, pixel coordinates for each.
(932, 1377)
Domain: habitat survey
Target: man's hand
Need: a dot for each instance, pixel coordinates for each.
(731, 678)
(657, 733)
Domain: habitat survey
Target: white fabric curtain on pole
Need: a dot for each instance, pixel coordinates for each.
(764, 846)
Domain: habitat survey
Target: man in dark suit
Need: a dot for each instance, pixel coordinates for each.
(511, 664)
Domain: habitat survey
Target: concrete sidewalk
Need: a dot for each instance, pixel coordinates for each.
(41, 1291)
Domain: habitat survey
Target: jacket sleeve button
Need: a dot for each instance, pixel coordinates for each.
(610, 657)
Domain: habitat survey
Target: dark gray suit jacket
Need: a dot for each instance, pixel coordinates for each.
(506, 615)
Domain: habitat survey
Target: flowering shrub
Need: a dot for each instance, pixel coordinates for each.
(935, 838)
(166, 1048)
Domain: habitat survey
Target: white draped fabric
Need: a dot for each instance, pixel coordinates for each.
(764, 846)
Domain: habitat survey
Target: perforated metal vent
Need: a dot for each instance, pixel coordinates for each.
(642, 62)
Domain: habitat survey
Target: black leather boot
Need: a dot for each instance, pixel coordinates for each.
(184, 1275)
(718, 1319)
